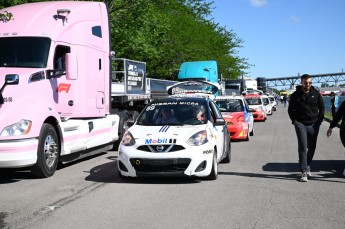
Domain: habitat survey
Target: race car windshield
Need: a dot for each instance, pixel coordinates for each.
(181, 113)
(254, 101)
(234, 105)
(266, 100)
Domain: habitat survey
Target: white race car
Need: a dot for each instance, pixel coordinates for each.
(176, 136)
(268, 104)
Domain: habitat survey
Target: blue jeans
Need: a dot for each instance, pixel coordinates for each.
(307, 138)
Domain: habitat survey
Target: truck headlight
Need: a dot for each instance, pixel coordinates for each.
(198, 139)
(20, 128)
(127, 139)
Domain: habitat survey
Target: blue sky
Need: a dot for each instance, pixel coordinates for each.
(285, 38)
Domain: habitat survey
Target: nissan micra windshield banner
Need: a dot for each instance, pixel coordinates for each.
(193, 87)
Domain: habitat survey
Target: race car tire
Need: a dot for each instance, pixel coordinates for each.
(227, 158)
(252, 132)
(214, 171)
(247, 138)
(48, 152)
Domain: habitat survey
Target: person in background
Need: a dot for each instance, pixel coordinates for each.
(285, 100)
(306, 111)
(339, 115)
(334, 103)
(276, 97)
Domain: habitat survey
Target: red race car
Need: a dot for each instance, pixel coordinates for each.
(238, 116)
(255, 102)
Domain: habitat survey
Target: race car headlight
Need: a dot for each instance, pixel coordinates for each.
(198, 139)
(127, 139)
(20, 128)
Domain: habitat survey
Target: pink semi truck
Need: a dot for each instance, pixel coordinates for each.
(59, 98)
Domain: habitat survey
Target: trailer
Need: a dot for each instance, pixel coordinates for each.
(60, 100)
(233, 87)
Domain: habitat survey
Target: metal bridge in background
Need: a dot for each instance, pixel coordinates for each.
(295, 80)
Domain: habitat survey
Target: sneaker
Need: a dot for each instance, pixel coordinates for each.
(304, 177)
(308, 172)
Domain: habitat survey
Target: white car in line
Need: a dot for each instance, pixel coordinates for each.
(268, 104)
(273, 101)
(191, 141)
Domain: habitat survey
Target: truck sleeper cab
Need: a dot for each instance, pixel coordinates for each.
(55, 85)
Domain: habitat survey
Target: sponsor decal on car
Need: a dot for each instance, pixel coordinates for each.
(156, 141)
(164, 129)
(159, 141)
(207, 151)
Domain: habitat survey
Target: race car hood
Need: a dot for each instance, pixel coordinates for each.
(164, 134)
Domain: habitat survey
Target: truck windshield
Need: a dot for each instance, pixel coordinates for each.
(24, 52)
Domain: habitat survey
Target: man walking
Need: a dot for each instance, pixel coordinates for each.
(306, 110)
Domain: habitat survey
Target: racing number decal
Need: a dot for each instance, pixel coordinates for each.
(63, 87)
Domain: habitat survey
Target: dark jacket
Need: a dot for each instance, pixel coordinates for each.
(307, 108)
(339, 115)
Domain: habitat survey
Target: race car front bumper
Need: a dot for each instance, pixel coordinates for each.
(193, 161)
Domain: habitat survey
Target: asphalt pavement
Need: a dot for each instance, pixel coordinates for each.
(258, 189)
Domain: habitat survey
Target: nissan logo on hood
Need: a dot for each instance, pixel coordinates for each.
(160, 148)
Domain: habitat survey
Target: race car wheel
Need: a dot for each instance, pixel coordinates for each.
(48, 152)
(252, 132)
(214, 171)
(227, 158)
(247, 138)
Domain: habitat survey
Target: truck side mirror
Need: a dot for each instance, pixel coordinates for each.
(71, 66)
(11, 79)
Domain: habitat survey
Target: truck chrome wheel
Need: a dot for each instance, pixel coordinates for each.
(50, 150)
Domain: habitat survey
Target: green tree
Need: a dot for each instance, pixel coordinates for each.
(324, 85)
(165, 33)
